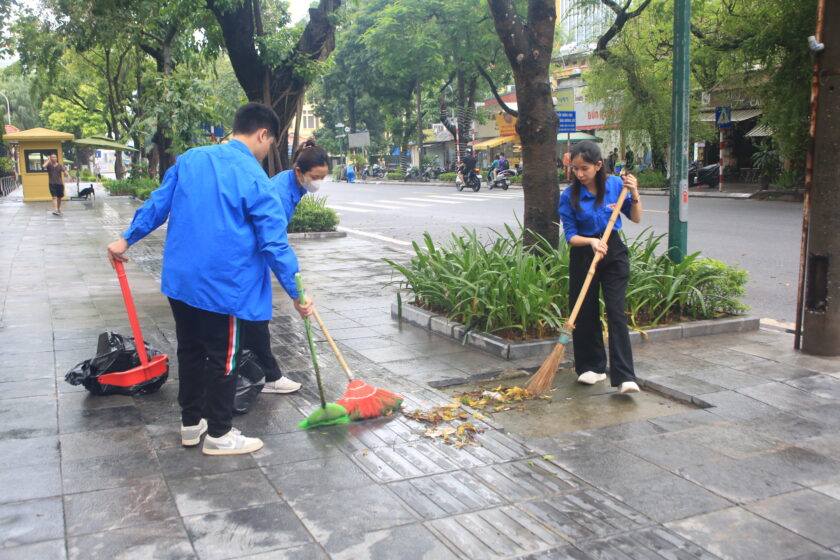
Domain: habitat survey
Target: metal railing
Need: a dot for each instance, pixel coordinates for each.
(7, 185)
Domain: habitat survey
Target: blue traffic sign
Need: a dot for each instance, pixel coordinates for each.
(723, 117)
(566, 122)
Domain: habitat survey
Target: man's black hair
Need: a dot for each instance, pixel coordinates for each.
(253, 116)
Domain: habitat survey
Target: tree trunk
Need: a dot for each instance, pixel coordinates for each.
(419, 145)
(528, 47)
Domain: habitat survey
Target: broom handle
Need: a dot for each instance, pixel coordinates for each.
(308, 323)
(132, 313)
(335, 349)
(591, 273)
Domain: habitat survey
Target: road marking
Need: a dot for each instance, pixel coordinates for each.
(431, 200)
(403, 203)
(655, 211)
(375, 236)
(374, 205)
(348, 209)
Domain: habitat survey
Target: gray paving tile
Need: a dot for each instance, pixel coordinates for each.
(736, 481)
(27, 388)
(823, 386)
(408, 542)
(566, 551)
(775, 371)
(70, 421)
(28, 451)
(685, 420)
(244, 533)
(689, 385)
(495, 533)
(446, 494)
(783, 396)
(810, 514)
(337, 519)
(218, 492)
(737, 534)
(733, 440)
(788, 427)
(306, 479)
(827, 414)
(389, 464)
(798, 465)
(99, 443)
(181, 462)
(143, 503)
(109, 471)
(730, 405)
(30, 482)
(527, 479)
(31, 522)
(629, 430)
(670, 451)
(28, 417)
(821, 555)
(310, 551)
(166, 540)
(54, 550)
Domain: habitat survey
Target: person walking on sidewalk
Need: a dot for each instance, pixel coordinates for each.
(226, 221)
(311, 165)
(585, 209)
(55, 174)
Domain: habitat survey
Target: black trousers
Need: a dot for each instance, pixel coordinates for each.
(208, 344)
(255, 338)
(611, 276)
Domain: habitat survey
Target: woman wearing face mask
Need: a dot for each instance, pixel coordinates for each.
(311, 165)
(585, 209)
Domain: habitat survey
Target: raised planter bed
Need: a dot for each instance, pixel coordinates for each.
(508, 350)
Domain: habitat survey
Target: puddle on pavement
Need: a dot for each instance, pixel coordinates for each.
(573, 406)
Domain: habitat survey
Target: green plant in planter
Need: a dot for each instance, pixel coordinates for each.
(312, 214)
(446, 177)
(767, 161)
(395, 175)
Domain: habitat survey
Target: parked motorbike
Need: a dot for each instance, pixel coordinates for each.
(472, 179)
(708, 175)
(379, 171)
(411, 173)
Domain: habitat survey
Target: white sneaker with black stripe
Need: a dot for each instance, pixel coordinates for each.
(191, 435)
(283, 385)
(232, 443)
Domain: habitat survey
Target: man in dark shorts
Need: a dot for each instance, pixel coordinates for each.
(54, 171)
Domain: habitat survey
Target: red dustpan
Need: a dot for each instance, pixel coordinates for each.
(147, 369)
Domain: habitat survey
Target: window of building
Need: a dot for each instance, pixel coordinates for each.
(35, 160)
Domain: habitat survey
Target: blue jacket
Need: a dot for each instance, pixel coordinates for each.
(226, 222)
(289, 190)
(591, 221)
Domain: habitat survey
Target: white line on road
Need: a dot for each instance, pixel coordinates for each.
(375, 236)
(374, 205)
(431, 200)
(404, 203)
(348, 209)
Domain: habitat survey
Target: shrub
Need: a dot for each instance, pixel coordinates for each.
(87, 175)
(788, 179)
(141, 187)
(447, 177)
(516, 180)
(561, 175)
(395, 175)
(7, 167)
(651, 179)
(312, 214)
(521, 292)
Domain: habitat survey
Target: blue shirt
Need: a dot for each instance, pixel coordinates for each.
(590, 221)
(226, 222)
(289, 190)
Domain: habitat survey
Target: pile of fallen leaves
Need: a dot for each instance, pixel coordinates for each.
(499, 399)
(440, 417)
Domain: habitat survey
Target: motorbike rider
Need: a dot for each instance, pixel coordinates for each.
(502, 164)
(493, 167)
(467, 165)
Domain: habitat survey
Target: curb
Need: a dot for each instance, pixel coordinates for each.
(317, 235)
(664, 192)
(507, 350)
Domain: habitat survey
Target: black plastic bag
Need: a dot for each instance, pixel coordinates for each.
(250, 380)
(114, 352)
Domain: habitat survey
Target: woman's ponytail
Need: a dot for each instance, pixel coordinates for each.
(309, 155)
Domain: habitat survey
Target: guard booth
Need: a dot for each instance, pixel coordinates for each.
(34, 148)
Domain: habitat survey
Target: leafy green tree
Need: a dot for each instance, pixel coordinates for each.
(24, 98)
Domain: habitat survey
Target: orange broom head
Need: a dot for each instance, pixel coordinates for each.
(541, 381)
(363, 401)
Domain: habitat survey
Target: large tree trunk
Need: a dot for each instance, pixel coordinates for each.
(240, 28)
(528, 47)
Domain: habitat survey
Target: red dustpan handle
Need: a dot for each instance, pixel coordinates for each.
(132, 314)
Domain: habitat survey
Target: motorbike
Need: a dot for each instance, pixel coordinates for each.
(366, 172)
(379, 171)
(501, 180)
(708, 175)
(411, 172)
(472, 179)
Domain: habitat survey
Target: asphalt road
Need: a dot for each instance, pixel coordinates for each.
(760, 237)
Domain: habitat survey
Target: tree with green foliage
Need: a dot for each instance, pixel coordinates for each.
(24, 97)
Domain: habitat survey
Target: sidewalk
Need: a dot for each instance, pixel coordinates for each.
(757, 475)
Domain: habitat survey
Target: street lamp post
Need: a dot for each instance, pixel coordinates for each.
(678, 208)
(8, 109)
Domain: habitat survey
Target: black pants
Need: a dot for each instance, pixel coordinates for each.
(208, 344)
(611, 276)
(255, 338)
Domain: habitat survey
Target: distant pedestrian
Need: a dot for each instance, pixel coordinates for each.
(311, 165)
(55, 177)
(611, 161)
(351, 172)
(585, 208)
(228, 222)
(628, 160)
(567, 162)
(97, 171)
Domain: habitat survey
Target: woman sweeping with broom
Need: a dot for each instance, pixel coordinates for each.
(585, 209)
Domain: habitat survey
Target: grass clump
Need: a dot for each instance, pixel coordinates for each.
(312, 214)
(447, 177)
(139, 187)
(519, 292)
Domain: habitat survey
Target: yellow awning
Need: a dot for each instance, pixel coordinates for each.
(493, 142)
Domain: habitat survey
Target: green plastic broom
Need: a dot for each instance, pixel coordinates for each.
(329, 413)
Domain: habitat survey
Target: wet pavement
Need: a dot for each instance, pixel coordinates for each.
(754, 474)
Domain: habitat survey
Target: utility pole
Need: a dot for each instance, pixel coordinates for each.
(678, 208)
(821, 320)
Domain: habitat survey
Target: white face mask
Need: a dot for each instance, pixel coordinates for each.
(312, 186)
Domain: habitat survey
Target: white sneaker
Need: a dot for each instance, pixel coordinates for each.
(591, 378)
(191, 435)
(629, 387)
(232, 443)
(282, 385)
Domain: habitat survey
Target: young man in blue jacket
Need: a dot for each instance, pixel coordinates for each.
(226, 222)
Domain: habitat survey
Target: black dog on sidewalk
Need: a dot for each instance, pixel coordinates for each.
(87, 192)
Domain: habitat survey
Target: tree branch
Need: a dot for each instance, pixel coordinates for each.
(495, 91)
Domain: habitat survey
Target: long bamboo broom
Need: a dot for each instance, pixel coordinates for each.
(541, 381)
(361, 400)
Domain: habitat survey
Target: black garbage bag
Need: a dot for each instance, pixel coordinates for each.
(114, 352)
(250, 380)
